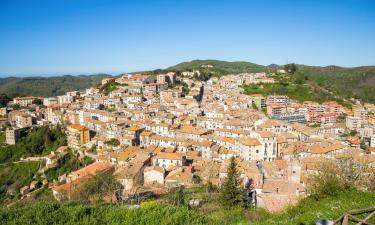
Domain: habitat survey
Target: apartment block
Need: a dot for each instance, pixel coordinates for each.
(77, 135)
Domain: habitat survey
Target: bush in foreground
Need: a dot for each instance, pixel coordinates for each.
(74, 213)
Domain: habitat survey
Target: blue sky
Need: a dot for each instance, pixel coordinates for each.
(89, 36)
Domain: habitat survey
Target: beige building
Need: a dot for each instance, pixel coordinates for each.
(77, 135)
(25, 101)
(3, 111)
(23, 121)
(11, 136)
(154, 174)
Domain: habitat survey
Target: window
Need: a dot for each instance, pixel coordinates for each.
(257, 151)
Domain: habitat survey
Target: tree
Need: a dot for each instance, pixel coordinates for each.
(113, 142)
(177, 196)
(363, 145)
(37, 101)
(98, 187)
(230, 194)
(101, 107)
(290, 68)
(4, 99)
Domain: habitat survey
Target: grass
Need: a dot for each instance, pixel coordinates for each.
(306, 212)
(13, 176)
(310, 210)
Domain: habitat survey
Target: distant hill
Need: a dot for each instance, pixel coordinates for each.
(357, 82)
(48, 86)
(220, 67)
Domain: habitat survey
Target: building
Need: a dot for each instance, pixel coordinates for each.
(277, 99)
(23, 121)
(12, 135)
(291, 117)
(353, 122)
(249, 149)
(77, 135)
(154, 174)
(3, 111)
(258, 101)
(49, 101)
(25, 101)
(167, 160)
(65, 99)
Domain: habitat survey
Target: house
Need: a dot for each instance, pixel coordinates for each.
(180, 177)
(130, 175)
(169, 160)
(249, 149)
(90, 170)
(154, 174)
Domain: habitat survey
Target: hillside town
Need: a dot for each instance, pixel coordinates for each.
(156, 132)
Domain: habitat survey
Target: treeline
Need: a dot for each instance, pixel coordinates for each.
(35, 141)
(47, 86)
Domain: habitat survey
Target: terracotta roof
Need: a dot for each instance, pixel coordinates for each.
(92, 169)
(154, 168)
(78, 127)
(168, 155)
(249, 141)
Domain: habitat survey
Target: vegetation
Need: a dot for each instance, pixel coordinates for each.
(231, 194)
(109, 87)
(219, 67)
(98, 188)
(296, 86)
(36, 141)
(47, 86)
(357, 82)
(66, 164)
(291, 68)
(113, 142)
(306, 212)
(176, 196)
(4, 99)
(13, 176)
(76, 213)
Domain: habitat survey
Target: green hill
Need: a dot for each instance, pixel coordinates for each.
(357, 82)
(220, 67)
(48, 86)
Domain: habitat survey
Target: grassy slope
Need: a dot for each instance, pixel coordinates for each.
(43, 213)
(15, 175)
(306, 212)
(47, 86)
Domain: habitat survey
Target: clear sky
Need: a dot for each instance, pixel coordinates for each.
(90, 36)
